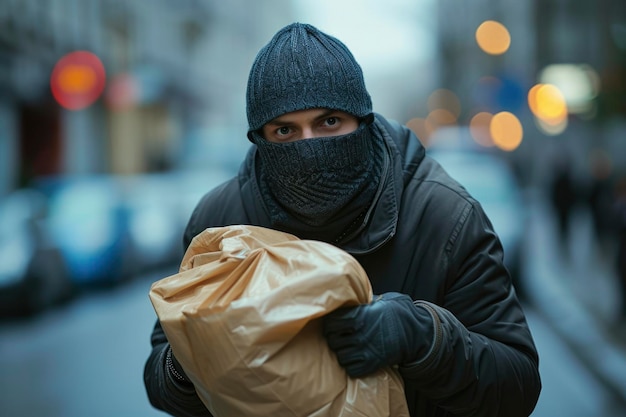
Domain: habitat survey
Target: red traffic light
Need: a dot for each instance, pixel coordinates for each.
(77, 80)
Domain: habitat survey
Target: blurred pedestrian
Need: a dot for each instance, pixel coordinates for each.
(324, 166)
(601, 200)
(620, 216)
(563, 197)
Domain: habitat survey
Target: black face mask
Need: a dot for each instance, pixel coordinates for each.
(320, 182)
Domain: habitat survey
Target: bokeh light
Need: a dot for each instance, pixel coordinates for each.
(506, 131)
(493, 37)
(123, 92)
(548, 105)
(579, 85)
(77, 80)
(479, 129)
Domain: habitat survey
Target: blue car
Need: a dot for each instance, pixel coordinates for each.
(89, 223)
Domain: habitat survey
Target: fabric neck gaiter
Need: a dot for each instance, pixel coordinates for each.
(326, 181)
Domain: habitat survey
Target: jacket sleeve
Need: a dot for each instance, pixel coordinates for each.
(482, 360)
(164, 391)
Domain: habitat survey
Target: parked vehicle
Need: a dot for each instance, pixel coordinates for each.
(71, 233)
(112, 228)
(33, 272)
(89, 223)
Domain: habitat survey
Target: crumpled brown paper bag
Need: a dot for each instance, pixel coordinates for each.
(241, 317)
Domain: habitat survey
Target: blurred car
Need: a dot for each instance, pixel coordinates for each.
(114, 228)
(33, 273)
(89, 223)
(491, 181)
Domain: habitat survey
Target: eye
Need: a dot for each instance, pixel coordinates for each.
(331, 121)
(282, 131)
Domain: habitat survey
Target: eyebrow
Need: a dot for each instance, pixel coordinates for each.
(278, 122)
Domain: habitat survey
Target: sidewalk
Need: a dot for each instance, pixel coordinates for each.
(576, 291)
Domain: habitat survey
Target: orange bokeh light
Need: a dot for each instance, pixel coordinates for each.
(77, 80)
(506, 131)
(479, 129)
(493, 37)
(547, 103)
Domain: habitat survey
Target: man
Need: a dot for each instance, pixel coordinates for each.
(324, 166)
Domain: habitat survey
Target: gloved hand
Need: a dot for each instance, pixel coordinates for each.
(390, 330)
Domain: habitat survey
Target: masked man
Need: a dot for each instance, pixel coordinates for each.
(324, 166)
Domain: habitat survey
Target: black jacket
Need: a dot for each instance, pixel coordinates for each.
(428, 238)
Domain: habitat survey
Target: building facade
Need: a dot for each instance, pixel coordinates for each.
(175, 73)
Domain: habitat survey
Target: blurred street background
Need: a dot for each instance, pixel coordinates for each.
(116, 116)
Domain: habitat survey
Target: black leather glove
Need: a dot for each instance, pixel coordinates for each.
(390, 330)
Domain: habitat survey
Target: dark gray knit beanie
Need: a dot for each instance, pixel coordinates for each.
(303, 68)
